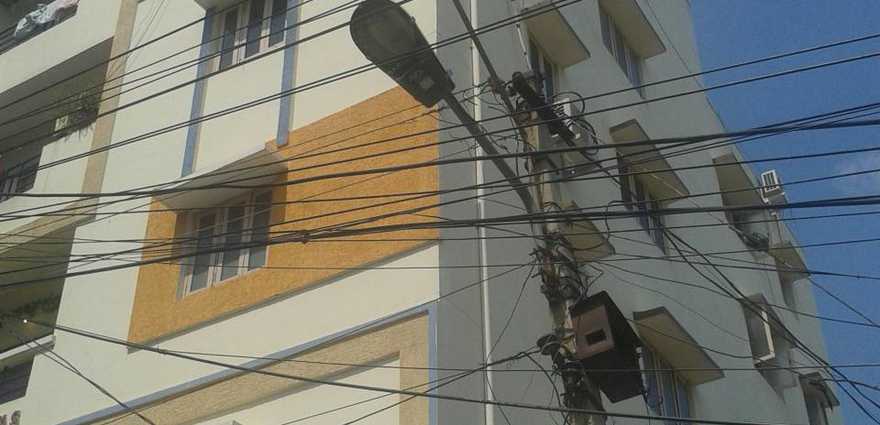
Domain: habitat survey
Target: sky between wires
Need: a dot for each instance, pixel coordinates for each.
(731, 31)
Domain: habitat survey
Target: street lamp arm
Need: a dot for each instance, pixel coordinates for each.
(479, 135)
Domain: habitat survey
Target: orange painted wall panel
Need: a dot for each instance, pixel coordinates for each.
(159, 311)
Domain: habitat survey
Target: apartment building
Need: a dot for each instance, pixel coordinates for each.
(264, 134)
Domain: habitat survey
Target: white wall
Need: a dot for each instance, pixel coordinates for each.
(740, 395)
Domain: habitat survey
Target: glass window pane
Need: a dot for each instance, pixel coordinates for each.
(683, 401)
(255, 25)
(620, 50)
(278, 22)
(227, 42)
(549, 79)
(625, 187)
(667, 384)
(652, 385)
(28, 175)
(202, 265)
(657, 225)
(534, 57)
(634, 70)
(233, 238)
(262, 213)
(605, 21)
(642, 204)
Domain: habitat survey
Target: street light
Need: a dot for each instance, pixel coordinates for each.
(390, 39)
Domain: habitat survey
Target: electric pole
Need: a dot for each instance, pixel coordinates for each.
(562, 281)
(390, 39)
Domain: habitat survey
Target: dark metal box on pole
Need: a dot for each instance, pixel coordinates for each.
(606, 346)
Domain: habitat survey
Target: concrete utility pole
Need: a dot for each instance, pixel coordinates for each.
(389, 38)
(563, 282)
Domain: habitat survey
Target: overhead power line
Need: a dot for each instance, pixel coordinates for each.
(485, 29)
(370, 388)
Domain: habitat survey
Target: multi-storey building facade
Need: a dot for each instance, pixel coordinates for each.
(314, 151)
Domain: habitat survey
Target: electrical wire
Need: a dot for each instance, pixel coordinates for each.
(787, 72)
(371, 388)
(56, 358)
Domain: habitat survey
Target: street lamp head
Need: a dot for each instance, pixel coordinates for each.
(391, 40)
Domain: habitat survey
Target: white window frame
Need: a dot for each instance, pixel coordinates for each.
(221, 223)
(627, 58)
(241, 31)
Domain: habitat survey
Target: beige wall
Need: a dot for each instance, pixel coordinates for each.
(266, 398)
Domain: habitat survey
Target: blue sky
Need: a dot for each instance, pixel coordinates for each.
(733, 31)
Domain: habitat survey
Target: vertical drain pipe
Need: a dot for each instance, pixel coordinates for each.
(489, 411)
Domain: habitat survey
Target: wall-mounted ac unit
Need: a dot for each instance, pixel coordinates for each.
(771, 188)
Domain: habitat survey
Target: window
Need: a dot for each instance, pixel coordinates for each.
(635, 195)
(258, 24)
(818, 398)
(667, 394)
(626, 57)
(241, 223)
(816, 411)
(542, 64)
(19, 178)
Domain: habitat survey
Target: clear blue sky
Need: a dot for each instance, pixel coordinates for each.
(732, 31)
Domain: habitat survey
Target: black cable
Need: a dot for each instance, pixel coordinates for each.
(791, 121)
(67, 365)
(691, 139)
(606, 263)
(337, 229)
(102, 87)
(118, 56)
(234, 109)
(156, 350)
(285, 93)
(746, 302)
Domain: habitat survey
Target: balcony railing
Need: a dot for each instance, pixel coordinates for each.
(35, 22)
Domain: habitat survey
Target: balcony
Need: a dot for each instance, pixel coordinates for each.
(35, 40)
(28, 140)
(31, 18)
(38, 301)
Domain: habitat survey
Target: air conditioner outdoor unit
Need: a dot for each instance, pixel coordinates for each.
(771, 187)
